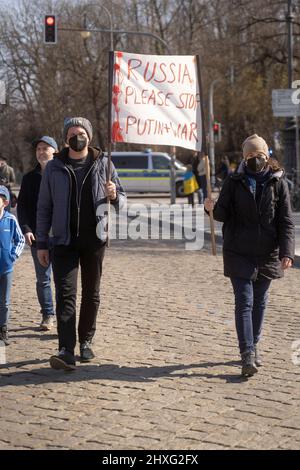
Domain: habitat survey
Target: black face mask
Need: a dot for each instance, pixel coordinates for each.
(78, 142)
(256, 164)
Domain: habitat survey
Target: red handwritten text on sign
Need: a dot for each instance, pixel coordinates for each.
(156, 99)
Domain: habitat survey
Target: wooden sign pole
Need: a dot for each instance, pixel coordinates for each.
(207, 166)
(109, 136)
(211, 217)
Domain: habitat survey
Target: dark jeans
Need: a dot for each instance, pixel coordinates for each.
(202, 191)
(43, 285)
(65, 264)
(5, 288)
(191, 199)
(250, 303)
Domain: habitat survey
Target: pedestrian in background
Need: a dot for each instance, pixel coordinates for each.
(11, 246)
(259, 240)
(45, 149)
(8, 178)
(7, 173)
(190, 185)
(224, 169)
(73, 189)
(198, 165)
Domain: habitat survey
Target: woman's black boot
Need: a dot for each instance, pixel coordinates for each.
(248, 364)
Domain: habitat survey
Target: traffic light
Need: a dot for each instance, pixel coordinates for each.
(50, 29)
(217, 132)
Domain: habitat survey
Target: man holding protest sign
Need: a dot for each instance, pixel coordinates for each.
(74, 190)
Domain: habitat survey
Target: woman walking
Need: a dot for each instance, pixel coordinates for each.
(259, 240)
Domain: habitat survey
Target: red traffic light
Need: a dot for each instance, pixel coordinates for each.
(217, 131)
(50, 20)
(50, 29)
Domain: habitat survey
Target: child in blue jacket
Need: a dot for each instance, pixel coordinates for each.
(11, 246)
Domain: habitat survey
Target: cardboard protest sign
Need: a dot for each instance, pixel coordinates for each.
(156, 100)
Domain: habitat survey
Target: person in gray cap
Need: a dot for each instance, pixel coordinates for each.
(45, 148)
(74, 192)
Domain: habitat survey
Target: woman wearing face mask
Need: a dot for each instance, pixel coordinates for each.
(259, 239)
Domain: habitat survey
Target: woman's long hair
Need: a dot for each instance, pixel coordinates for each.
(274, 164)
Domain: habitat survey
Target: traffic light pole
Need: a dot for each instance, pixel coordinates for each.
(289, 19)
(118, 31)
(289, 141)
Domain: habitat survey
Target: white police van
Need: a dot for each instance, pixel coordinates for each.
(147, 172)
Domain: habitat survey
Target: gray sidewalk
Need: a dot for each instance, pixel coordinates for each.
(166, 374)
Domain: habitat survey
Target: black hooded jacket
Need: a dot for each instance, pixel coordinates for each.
(28, 199)
(257, 234)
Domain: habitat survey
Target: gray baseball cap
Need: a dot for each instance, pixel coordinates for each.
(47, 140)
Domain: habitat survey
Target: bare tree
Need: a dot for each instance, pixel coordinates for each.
(243, 43)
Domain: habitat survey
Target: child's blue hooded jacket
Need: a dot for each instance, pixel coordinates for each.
(11, 242)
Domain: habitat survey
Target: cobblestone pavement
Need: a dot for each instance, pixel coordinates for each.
(167, 374)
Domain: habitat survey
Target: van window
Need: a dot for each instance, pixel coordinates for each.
(160, 162)
(139, 162)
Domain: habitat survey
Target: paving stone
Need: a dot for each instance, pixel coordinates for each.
(167, 373)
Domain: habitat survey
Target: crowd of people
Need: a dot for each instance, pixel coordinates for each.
(60, 217)
(58, 211)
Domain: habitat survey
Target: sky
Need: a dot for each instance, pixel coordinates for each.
(8, 2)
